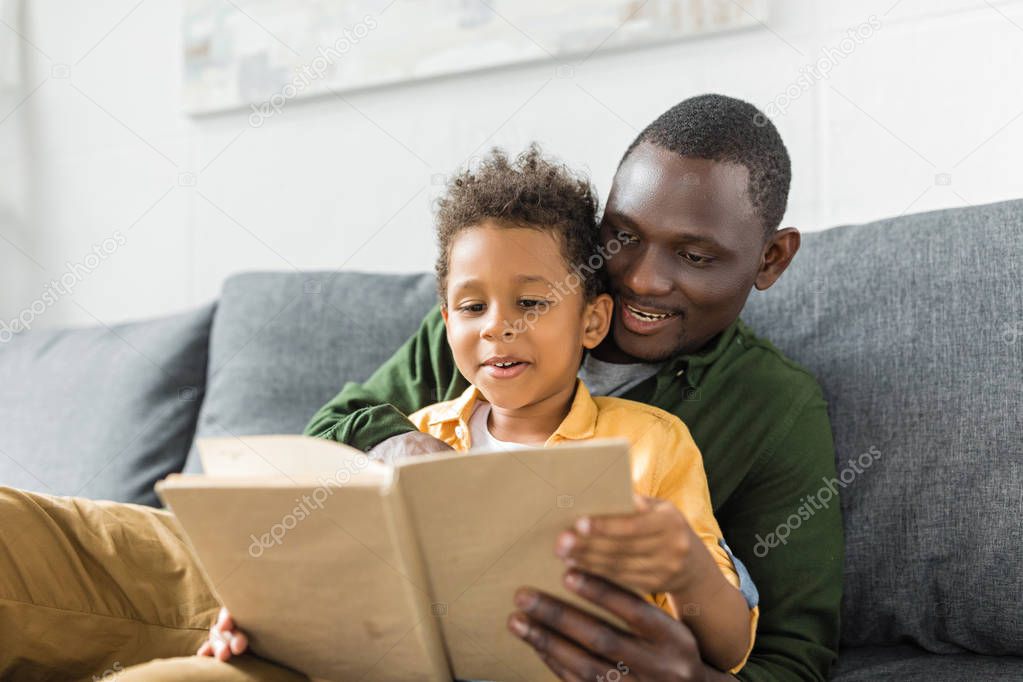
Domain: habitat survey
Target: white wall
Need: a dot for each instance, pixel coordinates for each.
(925, 113)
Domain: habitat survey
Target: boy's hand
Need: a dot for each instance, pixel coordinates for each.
(651, 550)
(225, 639)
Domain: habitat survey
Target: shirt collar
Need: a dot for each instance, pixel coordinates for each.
(581, 421)
(579, 424)
(693, 365)
(457, 410)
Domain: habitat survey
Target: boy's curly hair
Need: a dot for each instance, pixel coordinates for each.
(530, 191)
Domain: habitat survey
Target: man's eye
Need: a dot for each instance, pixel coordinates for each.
(694, 258)
(625, 237)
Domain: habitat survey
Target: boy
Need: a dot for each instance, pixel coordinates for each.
(521, 308)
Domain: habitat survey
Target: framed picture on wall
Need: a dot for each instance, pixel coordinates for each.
(241, 53)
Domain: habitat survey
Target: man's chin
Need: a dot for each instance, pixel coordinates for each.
(655, 348)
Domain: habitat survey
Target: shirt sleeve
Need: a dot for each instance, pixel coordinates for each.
(793, 547)
(678, 476)
(420, 373)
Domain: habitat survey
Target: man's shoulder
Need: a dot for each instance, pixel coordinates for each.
(765, 372)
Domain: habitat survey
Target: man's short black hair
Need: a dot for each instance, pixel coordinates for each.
(720, 128)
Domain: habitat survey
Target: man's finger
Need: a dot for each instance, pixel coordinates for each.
(643, 618)
(564, 658)
(590, 632)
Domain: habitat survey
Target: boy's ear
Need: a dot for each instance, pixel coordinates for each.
(444, 313)
(597, 320)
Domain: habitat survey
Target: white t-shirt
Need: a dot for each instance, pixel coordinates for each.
(480, 436)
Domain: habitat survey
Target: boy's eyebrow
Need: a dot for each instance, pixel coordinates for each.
(520, 279)
(527, 279)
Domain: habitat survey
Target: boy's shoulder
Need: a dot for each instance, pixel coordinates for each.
(632, 419)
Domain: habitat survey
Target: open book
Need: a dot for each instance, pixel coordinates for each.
(349, 569)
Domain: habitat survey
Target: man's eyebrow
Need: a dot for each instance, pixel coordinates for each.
(682, 236)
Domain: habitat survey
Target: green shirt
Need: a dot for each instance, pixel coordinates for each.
(762, 425)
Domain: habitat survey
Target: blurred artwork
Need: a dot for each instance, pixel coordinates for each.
(241, 53)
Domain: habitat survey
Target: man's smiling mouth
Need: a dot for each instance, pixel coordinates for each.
(646, 315)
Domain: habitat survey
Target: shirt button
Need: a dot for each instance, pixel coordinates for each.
(680, 372)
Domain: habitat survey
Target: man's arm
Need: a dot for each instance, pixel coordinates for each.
(799, 580)
(420, 373)
(785, 523)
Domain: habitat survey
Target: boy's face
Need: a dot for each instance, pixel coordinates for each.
(511, 298)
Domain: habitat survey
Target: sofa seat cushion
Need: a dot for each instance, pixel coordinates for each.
(910, 664)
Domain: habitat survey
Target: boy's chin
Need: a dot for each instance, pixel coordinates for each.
(505, 397)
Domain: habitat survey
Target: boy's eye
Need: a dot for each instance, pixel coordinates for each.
(531, 302)
(472, 308)
(625, 237)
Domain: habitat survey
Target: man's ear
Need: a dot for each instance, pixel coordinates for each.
(597, 320)
(779, 251)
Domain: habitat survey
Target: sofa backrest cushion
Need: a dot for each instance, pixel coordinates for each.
(101, 412)
(914, 328)
(283, 344)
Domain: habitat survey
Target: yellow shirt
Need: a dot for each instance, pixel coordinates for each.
(665, 461)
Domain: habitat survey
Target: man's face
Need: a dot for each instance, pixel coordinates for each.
(691, 246)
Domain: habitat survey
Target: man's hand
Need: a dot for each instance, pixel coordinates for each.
(577, 646)
(405, 445)
(652, 550)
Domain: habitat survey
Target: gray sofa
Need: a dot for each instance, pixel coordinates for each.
(913, 325)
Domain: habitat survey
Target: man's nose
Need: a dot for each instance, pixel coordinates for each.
(649, 275)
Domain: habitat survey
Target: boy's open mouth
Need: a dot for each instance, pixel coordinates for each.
(503, 367)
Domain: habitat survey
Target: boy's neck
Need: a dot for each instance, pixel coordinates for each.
(532, 424)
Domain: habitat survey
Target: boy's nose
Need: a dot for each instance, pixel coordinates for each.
(496, 326)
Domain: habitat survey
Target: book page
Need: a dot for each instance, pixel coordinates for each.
(486, 525)
(313, 575)
(292, 457)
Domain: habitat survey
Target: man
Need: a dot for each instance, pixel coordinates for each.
(691, 226)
